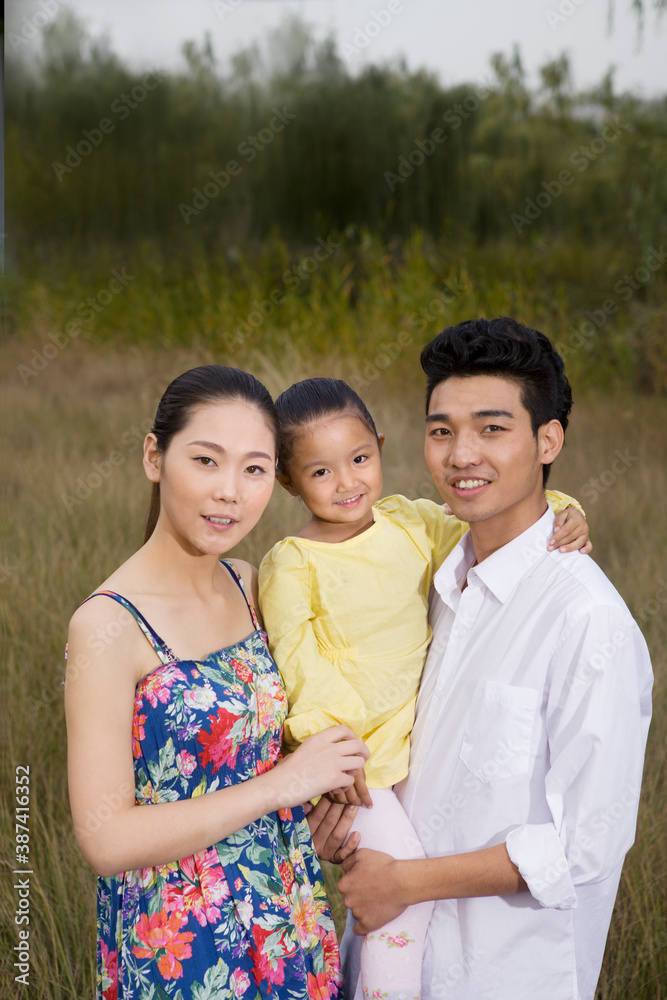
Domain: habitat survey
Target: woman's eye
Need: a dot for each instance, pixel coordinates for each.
(255, 470)
(205, 461)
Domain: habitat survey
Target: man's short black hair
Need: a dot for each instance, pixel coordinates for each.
(507, 348)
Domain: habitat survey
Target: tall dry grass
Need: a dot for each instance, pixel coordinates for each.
(92, 401)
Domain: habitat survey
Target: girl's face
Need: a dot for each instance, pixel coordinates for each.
(216, 476)
(336, 470)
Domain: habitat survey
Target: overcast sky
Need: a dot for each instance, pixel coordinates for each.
(453, 39)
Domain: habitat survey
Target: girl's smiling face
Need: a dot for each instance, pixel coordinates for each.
(336, 469)
(216, 476)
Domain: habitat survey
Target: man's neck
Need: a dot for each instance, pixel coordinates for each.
(490, 535)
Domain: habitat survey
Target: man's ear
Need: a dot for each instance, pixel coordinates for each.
(380, 441)
(550, 440)
(287, 483)
(152, 458)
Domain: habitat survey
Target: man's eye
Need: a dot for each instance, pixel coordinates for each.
(439, 432)
(494, 427)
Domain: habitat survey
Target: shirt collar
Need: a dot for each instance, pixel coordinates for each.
(499, 572)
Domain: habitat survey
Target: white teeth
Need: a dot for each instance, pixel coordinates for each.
(220, 520)
(470, 484)
(342, 503)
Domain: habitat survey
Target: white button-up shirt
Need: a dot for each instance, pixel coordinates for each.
(531, 726)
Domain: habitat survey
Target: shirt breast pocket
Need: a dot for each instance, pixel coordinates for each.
(497, 737)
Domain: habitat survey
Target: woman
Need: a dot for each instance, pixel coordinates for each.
(213, 891)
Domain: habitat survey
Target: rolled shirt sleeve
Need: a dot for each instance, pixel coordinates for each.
(597, 715)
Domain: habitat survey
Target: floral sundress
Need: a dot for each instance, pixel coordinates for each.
(248, 917)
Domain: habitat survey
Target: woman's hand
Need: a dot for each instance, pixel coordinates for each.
(570, 532)
(324, 762)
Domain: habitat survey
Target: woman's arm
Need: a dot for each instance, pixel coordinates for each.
(115, 833)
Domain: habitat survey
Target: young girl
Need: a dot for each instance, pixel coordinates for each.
(208, 883)
(345, 604)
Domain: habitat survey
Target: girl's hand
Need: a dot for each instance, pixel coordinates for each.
(570, 532)
(356, 795)
(324, 762)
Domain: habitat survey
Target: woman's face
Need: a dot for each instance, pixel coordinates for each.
(216, 476)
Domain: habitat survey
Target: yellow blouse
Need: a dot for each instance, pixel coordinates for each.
(348, 627)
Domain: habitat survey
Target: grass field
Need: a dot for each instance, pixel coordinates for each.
(72, 508)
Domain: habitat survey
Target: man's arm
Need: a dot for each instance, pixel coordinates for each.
(378, 888)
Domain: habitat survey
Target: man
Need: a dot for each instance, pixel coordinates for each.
(527, 750)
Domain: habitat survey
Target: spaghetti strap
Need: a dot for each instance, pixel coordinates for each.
(236, 576)
(158, 644)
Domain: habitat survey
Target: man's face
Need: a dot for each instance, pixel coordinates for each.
(480, 448)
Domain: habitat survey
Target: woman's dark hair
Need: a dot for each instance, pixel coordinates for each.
(310, 400)
(507, 348)
(206, 384)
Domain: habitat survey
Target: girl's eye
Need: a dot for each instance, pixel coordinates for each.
(320, 472)
(360, 458)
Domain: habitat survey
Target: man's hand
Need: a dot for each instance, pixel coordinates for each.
(330, 824)
(371, 889)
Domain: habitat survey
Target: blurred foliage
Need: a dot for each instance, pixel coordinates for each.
(337, 161)
(219, 189)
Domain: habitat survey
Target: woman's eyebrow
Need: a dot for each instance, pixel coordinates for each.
(220, 450)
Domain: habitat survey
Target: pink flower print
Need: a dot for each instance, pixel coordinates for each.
(203, 890)
(138, 731)
(398, 941)
(238, 884)
(201, 698)
(242, 670)
(157, 686)
(239, 982)
(266, 967)
(109, 973)
(161, 935)
(332, 958)
(305, 918)
(186, 762)
(219, 747)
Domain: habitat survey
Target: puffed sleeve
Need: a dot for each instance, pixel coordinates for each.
(560, 501)
(598, 713)
(318, 694)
